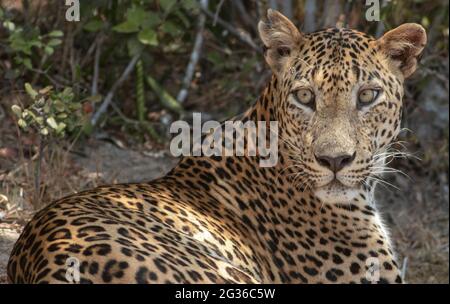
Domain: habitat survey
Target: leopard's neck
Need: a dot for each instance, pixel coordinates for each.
(270, 213)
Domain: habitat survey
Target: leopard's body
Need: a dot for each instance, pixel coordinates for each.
(226, 219)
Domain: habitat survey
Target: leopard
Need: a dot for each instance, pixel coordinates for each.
(311, 218)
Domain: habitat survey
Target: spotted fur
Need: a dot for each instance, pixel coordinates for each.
(227, 219)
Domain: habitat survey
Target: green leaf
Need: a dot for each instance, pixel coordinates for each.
(61, 127)
(94, 98)
(136, 15)
(151, 20)
(56, 34)
(67, 94)
(45, 90)
(40, 120)
(215, 58)
(44, 131)
(54, 42)
(183, 18)
(47, 108)
(27, 63)
(40, 102)
(148, 37)
(190, 4)
(126, 27)
(30, 91)
(171, 28)
(59, 105)
(17, 110)
(93, 25)
(74, 106)
(9, 25)
(134, 46)
(22, 123)
(51, 122)
(49, 50)
(167, 5)
(165, 98)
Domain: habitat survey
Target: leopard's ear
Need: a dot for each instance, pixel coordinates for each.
(280, 37)
(403, 45)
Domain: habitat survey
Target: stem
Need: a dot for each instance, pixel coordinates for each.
(104, 106)
(37, 173)
(195, 55)
(140, 92)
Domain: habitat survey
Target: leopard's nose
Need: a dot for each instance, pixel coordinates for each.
(335, 163)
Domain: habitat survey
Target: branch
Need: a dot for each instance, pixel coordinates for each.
(195, 55)
(333, 10)
(118, 83)
(310, 12)
(287, 8)
(94, 88)
(216, 15)
(241, 35)
(244, 14)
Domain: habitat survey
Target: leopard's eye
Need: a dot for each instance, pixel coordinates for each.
(304, 96)
(367, 97)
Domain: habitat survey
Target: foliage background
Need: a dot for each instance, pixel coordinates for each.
(155, 40)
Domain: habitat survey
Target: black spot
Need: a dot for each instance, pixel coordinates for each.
(337, 259)
(323, 254)
(159, 264)
(142, 275)
(310, 271)
(98, 249)
(93, 268)
(355, 268)
(387, 266)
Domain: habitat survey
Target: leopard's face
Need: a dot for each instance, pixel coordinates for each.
(338, 103)
(340, 111)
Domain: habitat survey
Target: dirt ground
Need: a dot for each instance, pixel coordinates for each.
(103, 163)
(417, 213)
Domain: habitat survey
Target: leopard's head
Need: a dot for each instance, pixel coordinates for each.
(338, 100)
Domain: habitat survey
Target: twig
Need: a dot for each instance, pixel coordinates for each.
(333, 10)
(287, 7)
(51, 79)
(216, 15)
(241, 35)
(403, 272)
(195, 55)
(127, 119)
(273, 4)
(122, 116)
(261, 9)
(41, 65)
(2, 113)
(310, 16)
(145, 124)
(104, 106)
(380, 26)
(94, 88)
(37, 172)
(244, 14)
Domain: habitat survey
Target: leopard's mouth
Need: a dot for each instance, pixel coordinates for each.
(336, 192)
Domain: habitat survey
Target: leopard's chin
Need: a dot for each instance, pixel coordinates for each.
(336, 193)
